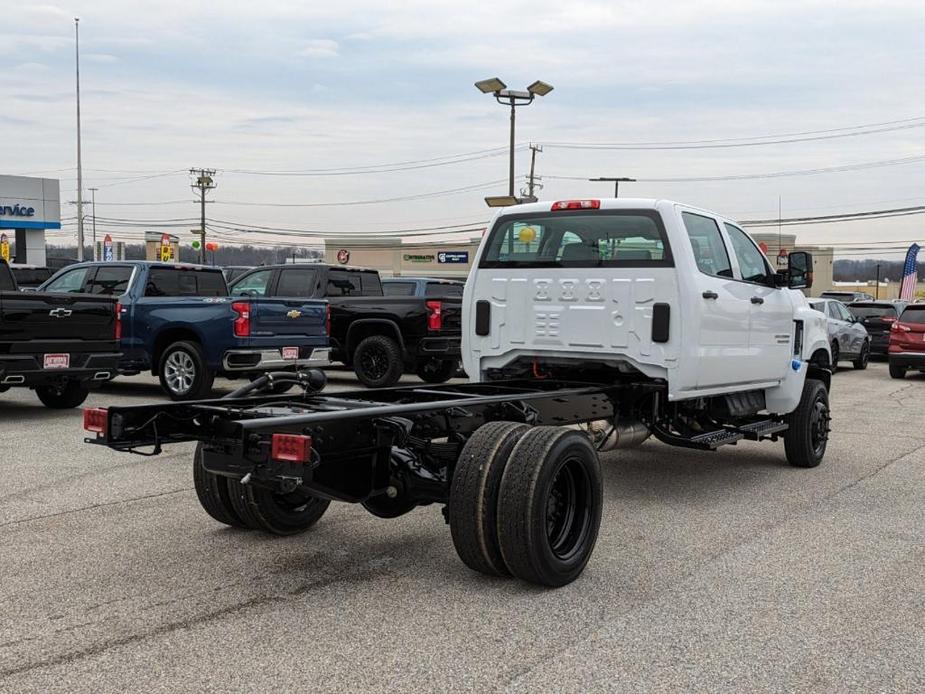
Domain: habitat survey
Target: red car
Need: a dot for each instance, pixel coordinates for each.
(907, 341)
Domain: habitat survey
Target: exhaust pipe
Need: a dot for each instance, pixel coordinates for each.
(101, 376)
(14, 380)
(607, 436)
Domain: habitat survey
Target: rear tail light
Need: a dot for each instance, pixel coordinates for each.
(887, 319)
(118, 321)
(900, 328)
(576, 205)
(327, 320)
(434, 315)
(292, 448)
(95, 419)
(242, 324)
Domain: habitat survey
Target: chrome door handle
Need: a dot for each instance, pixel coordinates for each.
(710, 295)
(757, 300)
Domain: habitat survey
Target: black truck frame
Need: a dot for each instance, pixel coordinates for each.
(515, 463)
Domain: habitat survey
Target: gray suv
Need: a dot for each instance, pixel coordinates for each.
(848, 337)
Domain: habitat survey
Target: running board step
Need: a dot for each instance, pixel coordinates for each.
(760, 430)
(714, 439)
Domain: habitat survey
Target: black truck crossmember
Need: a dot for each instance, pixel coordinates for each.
(514, 462)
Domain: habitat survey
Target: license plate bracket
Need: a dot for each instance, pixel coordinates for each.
(290, 353)
(56, 361)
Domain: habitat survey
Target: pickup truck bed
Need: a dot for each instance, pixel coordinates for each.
(58, 344)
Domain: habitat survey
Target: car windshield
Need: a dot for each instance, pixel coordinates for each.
(872, 310)
(613, 238)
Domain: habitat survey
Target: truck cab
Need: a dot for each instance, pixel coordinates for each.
(651, 289)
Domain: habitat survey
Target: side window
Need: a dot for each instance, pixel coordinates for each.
(845, 314)
(751, 262)
(707, 244)
(343, 283)
(398, 288)
(70, 282)
(372, 286)
(444, 289)
(111, 281)
(296, 282)
(833, 310)
(254, 284)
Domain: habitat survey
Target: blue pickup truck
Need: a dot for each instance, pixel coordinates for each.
(179, 323)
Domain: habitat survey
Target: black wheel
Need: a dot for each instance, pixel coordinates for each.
(62, 397)
(435, 370)
(474, 495)
(836, 355)
(273, 512)
(183, 372)
(377, 361)
(897, 371)
(806, 438)
(549, 506)
(863, 358)
(213, 494)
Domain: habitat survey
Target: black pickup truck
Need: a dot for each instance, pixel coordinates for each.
(380, 336)
(58, 344)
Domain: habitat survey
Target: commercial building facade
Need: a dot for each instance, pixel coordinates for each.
(28, 206)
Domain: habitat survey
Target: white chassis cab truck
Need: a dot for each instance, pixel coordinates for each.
(588, 325)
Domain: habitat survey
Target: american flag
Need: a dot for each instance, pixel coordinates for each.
(910, 273)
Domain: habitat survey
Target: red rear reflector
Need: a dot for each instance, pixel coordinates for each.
(576, 205)
(95, 419)
(242, 324)
(118, 321)
(434, 315)
(292, 448)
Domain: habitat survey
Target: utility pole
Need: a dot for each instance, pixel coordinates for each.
(93, 208)
(203, 182)
(877, 290)
(80, 178)
(532, 179)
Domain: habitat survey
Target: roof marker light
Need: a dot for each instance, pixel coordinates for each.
(576, 205)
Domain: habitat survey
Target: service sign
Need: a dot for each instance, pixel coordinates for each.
(453, 257)
(418, 258)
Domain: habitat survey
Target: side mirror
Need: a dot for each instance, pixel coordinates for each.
(800, 270)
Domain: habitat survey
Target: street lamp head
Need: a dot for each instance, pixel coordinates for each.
(501, 200)
(490, 85)
(540, 88)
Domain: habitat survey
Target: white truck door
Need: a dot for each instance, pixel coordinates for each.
(770, 329)
(721, 348)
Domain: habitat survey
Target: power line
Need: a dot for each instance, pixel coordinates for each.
(773, 174)
(752, 141)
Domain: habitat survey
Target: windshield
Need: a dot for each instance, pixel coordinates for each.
(618, 238)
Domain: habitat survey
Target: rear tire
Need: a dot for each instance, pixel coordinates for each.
(433, 370)
(213, 494)
(474, 495)
(806, 438)
(863, 358)
(897, 371)
(63, 397)
(377, 361)
(549, 506)
(277, 514)
(836, 355)
(183, 372)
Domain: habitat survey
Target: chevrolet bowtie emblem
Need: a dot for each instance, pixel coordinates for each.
(60, 313)
(294, 313)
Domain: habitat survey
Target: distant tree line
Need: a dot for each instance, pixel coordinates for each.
(225, 255)
(866, 270)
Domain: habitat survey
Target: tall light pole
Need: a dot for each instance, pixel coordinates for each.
(616, 183)
(512, 98)
(80, 178)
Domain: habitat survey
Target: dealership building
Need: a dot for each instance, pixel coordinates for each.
(28, 206)
(392, 258)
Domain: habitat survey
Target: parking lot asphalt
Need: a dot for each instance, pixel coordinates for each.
(726, 571)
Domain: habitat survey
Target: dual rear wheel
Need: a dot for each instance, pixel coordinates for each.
(526, 502)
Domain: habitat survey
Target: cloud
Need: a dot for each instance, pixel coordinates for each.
(319, 48)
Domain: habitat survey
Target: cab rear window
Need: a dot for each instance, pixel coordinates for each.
(611, 238)
(180, 282)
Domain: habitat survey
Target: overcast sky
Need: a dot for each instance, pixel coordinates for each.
(283, 85)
